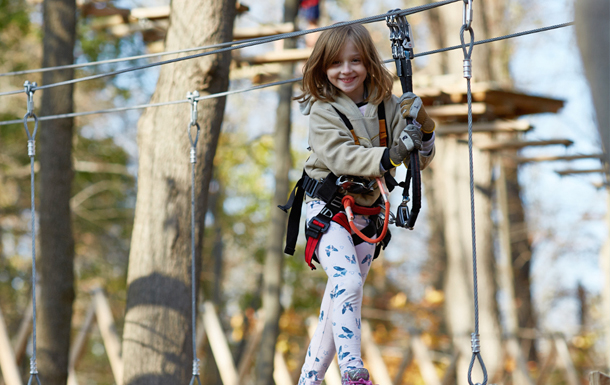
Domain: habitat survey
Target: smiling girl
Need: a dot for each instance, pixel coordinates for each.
(357, 132)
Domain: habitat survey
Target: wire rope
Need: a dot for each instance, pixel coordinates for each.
(281, 82)
(29, 90)
(365, 20)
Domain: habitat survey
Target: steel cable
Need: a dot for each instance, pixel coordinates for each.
(226, 93)
(365, 20)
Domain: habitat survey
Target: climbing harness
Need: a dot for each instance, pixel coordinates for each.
(402, 45)
(334, 191)
(467, 50)
(192, 97)
(29, 91)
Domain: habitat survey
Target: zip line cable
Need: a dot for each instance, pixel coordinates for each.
(281, 82)
(366, 20)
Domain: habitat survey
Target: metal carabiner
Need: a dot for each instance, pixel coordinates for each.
(467, 14)
(192, 97)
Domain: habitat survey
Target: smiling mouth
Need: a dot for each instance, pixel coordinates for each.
(347, 80)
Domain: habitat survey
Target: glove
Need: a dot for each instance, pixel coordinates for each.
(411, 106)
(410, 139)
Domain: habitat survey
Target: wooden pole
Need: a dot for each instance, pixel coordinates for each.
(549, 362)
(246, 360)
(407, 358)
(566, 361)
(219, 345)
(281, 374)
(76, 351)
(450, 372)
(23, 335)
(111, 339)
(10, 371)
(378, 369)
(505, 272)
(422, 356)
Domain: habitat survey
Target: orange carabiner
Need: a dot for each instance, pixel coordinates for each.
(348, 201)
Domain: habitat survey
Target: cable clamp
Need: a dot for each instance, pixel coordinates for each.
(467, 14)
(468, 68)
(196, 365)
(31, 148)
(476, 343)
(33, 367)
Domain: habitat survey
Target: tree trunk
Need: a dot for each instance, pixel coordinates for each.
(272, 278)
(157, 343)
(593, 33)
(452, 191)
(521, 250)
(56, 240)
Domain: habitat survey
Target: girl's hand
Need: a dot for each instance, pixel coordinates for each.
(411, 106)
(409, 140)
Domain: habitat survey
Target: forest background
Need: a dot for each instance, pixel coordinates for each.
(565, 216)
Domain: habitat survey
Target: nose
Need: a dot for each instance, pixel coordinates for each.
(346, 67)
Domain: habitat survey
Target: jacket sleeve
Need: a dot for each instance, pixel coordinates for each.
(334, 146)
(398, 124)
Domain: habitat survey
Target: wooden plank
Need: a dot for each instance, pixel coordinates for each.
(219, 345)
(422, 356)
(456, 110)
(282, 56)
(556, 158)
(150, 13)
(566, 361)
(495, 126)
(78, 346)
(332, 376)
(598, 378)
(112, 342)
(281, 374)
(519, 144)
(262, 31)
(587, 171)
(377, 367)
(10, 371)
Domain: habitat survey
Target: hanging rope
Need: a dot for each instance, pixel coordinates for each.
(192, 97)
(29, 91)
(467, 50)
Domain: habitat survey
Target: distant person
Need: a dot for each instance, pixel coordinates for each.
(310, 10)
(345, 84)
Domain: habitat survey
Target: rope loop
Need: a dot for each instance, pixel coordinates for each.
(477, 356)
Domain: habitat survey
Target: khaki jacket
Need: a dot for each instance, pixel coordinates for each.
(333, 147)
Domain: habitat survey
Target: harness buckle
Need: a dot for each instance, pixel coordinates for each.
(317, 225)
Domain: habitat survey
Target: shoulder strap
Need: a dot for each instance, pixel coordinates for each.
(383, 132)
(348, 124)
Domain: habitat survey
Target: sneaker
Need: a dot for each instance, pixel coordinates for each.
(358, 376)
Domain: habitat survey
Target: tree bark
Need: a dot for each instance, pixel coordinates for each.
(56, 259)
(274, 260)
(157, 343)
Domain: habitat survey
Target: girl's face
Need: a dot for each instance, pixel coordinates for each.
(347, 72)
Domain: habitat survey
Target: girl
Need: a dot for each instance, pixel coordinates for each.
(345, 83)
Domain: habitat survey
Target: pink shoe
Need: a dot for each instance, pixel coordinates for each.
(358, 376)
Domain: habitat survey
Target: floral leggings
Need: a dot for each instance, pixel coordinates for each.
(339, 328)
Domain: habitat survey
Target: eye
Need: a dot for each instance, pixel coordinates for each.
(356, 60)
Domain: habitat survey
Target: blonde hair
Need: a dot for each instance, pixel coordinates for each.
(316, 85)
